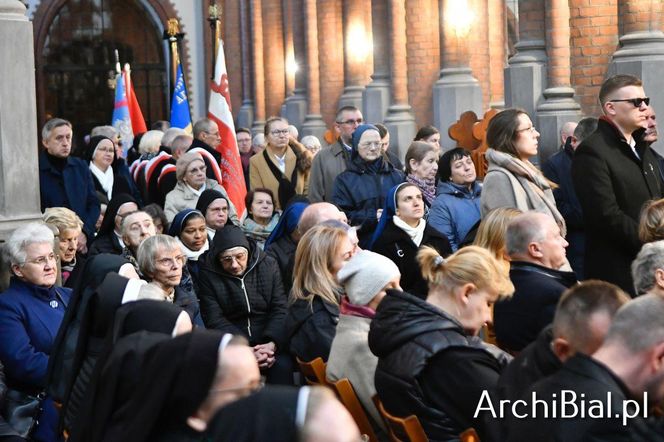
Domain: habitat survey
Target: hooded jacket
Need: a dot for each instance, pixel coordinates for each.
(455, 211)
(410, 336)
(252, 305)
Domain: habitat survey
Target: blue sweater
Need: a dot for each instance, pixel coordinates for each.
(455, 211)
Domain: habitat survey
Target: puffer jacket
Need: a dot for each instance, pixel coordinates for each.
(253, 305)
(360, 192)
(455, 211)
(406, 334)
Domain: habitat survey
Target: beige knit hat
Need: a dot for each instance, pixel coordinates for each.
(365, 275)
(183, 164)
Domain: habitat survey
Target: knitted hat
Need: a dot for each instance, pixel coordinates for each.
(358, 133)
(183, 164)
(445, 162)
(365, 275)
(207, 197)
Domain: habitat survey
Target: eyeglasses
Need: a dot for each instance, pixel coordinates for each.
(170, 262)
(237, 257)
(42, 260)
(636, 102)
(280, 132)
(358, 121)
(249, 388)
(372, 144)
(531, 129)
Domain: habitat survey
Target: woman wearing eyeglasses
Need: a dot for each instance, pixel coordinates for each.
(283, 166)
(31, 311)
(161, 260)
(512, 180)
(360, 190)
(241, 292)
(190, 171)
(109, 175)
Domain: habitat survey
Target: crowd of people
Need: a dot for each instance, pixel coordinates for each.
(146, 307)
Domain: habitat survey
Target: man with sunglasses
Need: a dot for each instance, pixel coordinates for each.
(332, 160)
(615, 173)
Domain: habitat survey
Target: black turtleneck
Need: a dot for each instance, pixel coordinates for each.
(57, 162)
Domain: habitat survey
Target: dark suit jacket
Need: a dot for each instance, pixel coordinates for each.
(612, 185)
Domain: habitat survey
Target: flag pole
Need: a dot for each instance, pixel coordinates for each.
(173, 36)
(214, 18)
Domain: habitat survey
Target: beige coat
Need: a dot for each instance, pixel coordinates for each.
(261, 176)
(183, 197)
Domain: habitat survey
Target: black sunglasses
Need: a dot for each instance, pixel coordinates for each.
(635, 101)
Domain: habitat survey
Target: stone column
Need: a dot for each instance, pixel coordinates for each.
(456, 90)
(296, 102)
(354, 16)
(400, 121)
(19, 170)
(259, 69)
(313, 122)
(245, 116)
(376, 95)
(558, 106)
(641, 51)
(525, 76)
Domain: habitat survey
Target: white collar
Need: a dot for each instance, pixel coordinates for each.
(415, 233)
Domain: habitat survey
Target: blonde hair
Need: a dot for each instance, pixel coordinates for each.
(469, 265)
(313, 260)
(651, 223)
(62, 218)
(492, 230)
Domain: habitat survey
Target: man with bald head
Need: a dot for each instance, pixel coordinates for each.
(317, 213)
(536, 250)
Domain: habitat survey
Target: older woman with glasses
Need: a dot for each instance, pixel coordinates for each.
(360, 191)
(31, 311)
(192, 182)
(69, 227)
(161, 260)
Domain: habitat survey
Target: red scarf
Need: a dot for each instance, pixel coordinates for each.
(362, 311)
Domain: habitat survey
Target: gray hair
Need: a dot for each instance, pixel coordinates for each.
(150, 141)
(22, 237)
(170, 135)
(585, 127)
(258, 140)
(293, 131)
(52, 124)
(310, 140)
(148, 249)
(523, 230)
(182, 141)
(202, 125)
(649, 259)
(104, 131)
(638, 324)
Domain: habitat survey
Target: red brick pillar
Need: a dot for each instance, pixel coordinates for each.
(259, 71)
(497, 27)
(245, 116)
(376, 95)
(313, 122)
(640, 15)
(357, 56)
(273, 56)
(295, 106)
(399, 120)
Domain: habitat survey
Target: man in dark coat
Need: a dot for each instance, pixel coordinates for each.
(206, 136)
(616, 385)
(241, 293)
(65, 181)
(614, 174)
(537, 251)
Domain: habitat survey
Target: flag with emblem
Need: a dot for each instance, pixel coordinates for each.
(180, 116)
(121, 120)
(219, 111)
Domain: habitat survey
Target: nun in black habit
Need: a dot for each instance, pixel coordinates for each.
(107, 239)
(137, 328)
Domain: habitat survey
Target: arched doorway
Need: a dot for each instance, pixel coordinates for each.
(76, 59)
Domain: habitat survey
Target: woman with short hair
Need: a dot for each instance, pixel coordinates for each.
(31, 311)
(262, 217)
(430, 361)
(161, 260)
(429, 134)
(192, 182)
(69, 227)
(456, 210)
(421, 168)
(313, 312)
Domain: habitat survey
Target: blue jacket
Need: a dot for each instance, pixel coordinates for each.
(455, 211)
(360, 191)
(559, 170)
(72, 188)
(29, 320)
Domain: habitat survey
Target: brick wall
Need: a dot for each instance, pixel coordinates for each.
(593, 40)
(233, 51)
(479, 48)
(330, 48)
(273, 57)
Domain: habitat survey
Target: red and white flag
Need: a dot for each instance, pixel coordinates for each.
(137, 121)
(219, 111)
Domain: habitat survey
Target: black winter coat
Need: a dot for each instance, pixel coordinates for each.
(395, 244)
(428, 366)
(253, 305)
(105, 243)
(311, 328)
(613, 185)
(283, 251)
(537, 289)
(5, 429)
